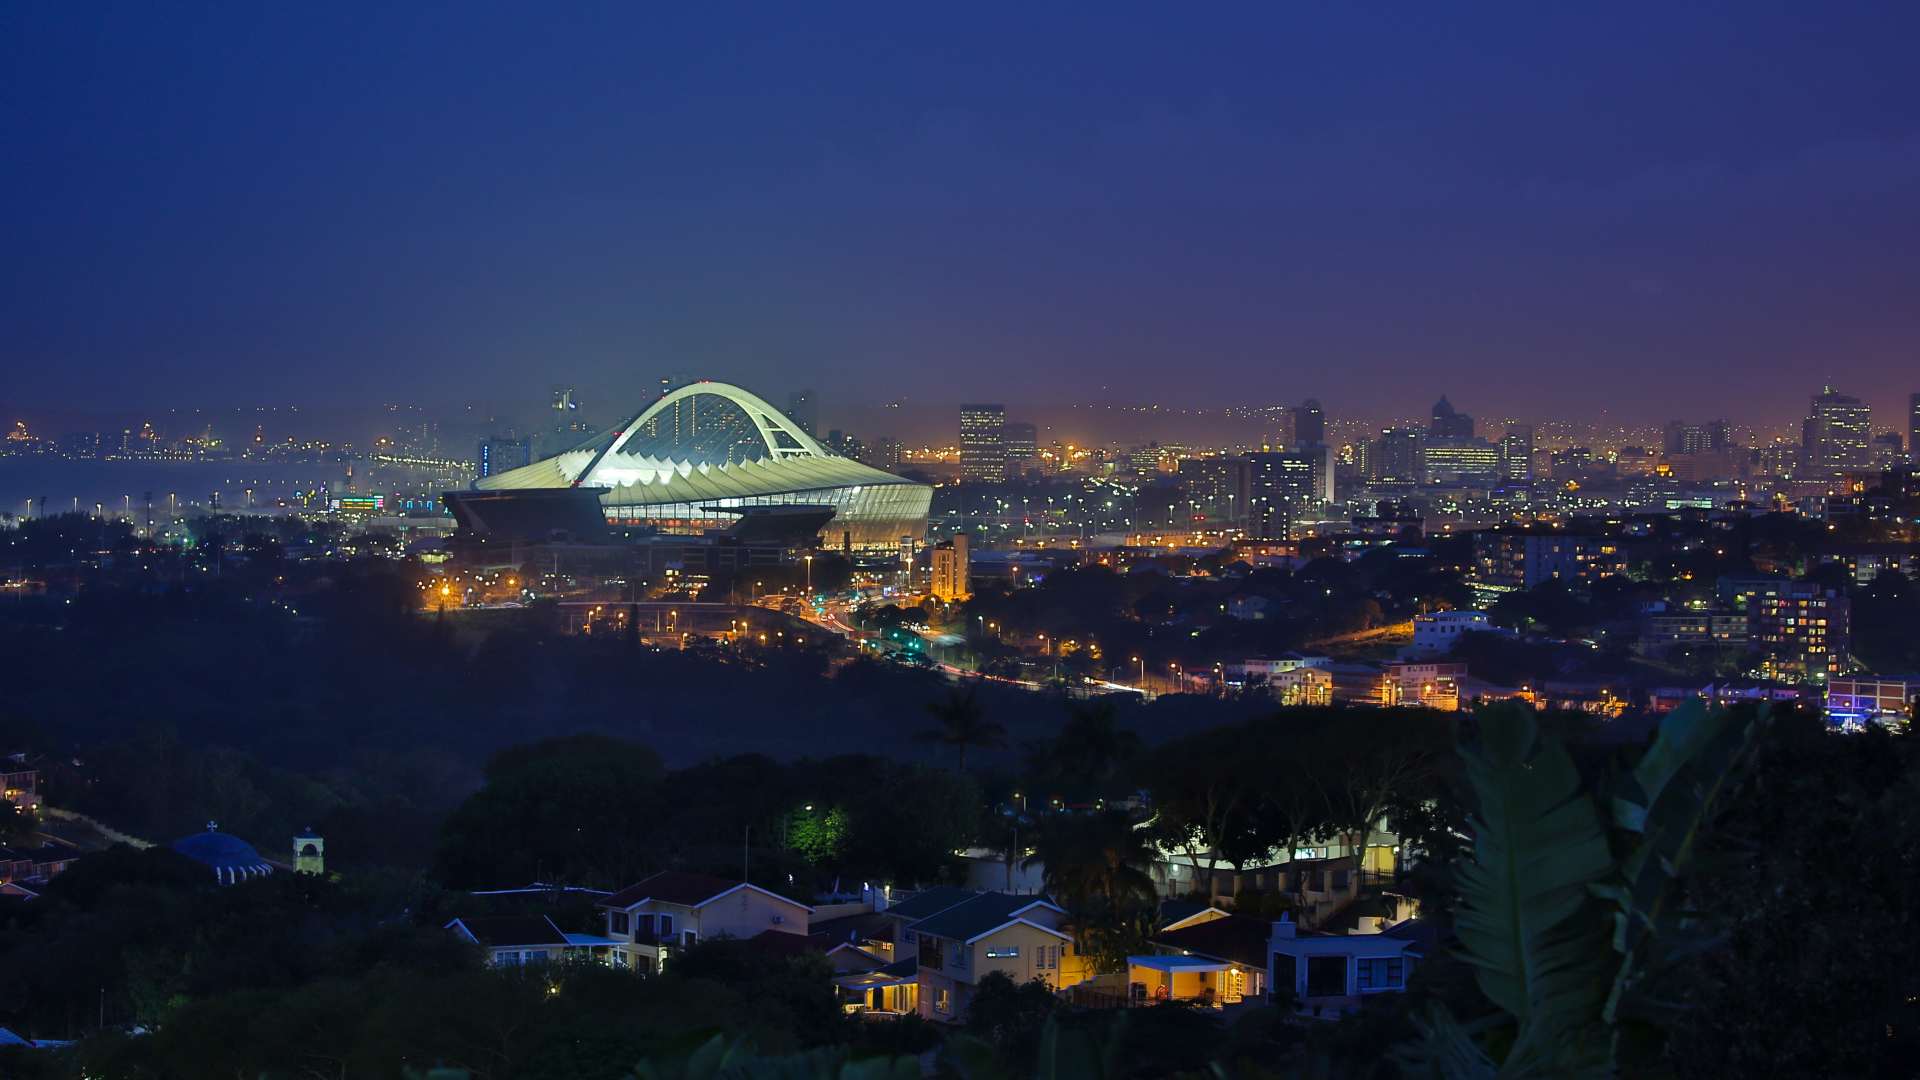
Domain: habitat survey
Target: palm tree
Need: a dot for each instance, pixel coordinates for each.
(959, 722)
(1097, 867)
(1092, 747)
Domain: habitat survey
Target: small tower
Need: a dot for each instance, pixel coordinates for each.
(309, 853)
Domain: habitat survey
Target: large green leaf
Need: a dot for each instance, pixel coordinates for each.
(1667, 802)
(1527, 921)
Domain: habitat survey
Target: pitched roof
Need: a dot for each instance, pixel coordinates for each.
(686, 890)
(501, 931)
(930, 902)
(980, 914)
(1239, 938)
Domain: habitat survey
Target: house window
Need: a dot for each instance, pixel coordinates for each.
(619, 922)
(507, 958)
(960, 952)
(942, 1002)
(687, 938)
(1046, 957)
(1382, 973)
(1003, 952)
(932, 954)
(620, 959)
(1326, 976)
(536, 956)
(666, 927)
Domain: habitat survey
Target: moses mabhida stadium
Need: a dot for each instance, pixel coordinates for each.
(699, 458)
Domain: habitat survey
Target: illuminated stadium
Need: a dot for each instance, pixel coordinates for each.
(700, 456)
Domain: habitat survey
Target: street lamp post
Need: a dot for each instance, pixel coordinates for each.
(809, 561)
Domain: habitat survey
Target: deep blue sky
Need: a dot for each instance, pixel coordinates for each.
(1671, 209)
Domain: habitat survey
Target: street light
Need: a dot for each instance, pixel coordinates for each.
(809, 561)
(1143, 672)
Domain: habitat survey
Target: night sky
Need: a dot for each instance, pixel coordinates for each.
(1670, 209)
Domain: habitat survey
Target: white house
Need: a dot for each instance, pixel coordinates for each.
(1331, 974)
(647, 920)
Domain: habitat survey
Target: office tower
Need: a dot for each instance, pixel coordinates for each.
(846, 445)
(983, 449)
(1913, 427)
(1685, 438)
(804, 409)
(1889, 451)
(1719, 436)
(1221, 488)
(499, 453)
(883, 454)
(950, 578)
(1309, 424)
(1022, 443)
(1448, 423)
(1516, 453)
(1396, 457)
(1836, 432)
(1283, 489)
(1462, 461)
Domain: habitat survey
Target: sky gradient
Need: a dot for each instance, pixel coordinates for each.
(1666, 209)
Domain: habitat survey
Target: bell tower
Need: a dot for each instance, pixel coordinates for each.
(309, 853)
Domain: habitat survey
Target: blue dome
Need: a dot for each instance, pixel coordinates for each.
(230, 857)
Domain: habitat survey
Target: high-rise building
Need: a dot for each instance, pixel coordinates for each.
(804, 410)
(1913, 427)
(884, 454)
(1462, 461)
(1889, 451)
(1283, 489)
(950, 580)
(983, 447)
(1836, 432)
(1449, 423)
(1516, 453)
(1309, 424)
(1711, 437)
(846, 445)
(1022, 443)
(1397, 457)
(1220, 487)
(1802, 629)
(499, 453)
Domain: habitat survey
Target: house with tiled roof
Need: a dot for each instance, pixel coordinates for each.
(1018, 935)
(649, 919)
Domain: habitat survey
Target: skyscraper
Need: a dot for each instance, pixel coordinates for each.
(983, 448)
(1219, 487)
(1397, 457)
(1449, 423)
(1309, 424)
(1283, 490)
(499, 453)
(1022, 442)
(1913, 427)
(1516, 453)
(1836, 432)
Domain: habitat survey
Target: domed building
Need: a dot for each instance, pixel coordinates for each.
(230, 858)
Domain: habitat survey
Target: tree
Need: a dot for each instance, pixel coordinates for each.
(1097, 867)
(1203, 789)
(961, 723)
(575, 809)
(1569, 929)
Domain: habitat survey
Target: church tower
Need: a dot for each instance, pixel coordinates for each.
(309, 853)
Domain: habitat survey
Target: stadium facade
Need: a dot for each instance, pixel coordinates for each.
(699, 456)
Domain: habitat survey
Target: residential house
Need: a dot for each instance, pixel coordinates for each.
(1213, 958)
(35, 864)
(1018, 935)
(647, 920)
(1330, 974)
(513, 940)
(924, 904)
